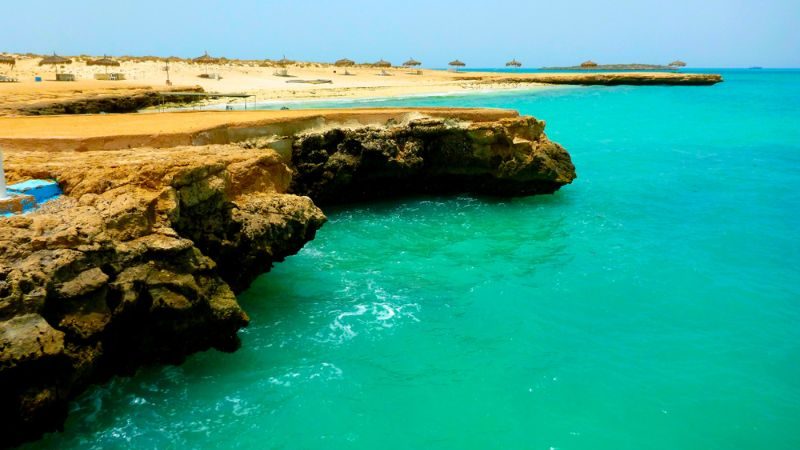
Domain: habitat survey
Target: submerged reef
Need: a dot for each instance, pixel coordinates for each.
(140, 260)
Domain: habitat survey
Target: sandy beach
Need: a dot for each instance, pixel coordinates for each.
(244, 77)
(265, 83)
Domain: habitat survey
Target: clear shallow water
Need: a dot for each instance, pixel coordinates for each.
(652, 304)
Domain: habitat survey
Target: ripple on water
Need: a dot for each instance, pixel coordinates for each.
(369, 311)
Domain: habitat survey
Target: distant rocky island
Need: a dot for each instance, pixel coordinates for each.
(591, 65)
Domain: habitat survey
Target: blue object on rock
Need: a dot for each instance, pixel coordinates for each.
(41, 190)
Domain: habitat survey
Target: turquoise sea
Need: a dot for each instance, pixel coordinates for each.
(653, 304)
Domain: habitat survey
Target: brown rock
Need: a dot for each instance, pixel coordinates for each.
(511, 156)
(28, 338)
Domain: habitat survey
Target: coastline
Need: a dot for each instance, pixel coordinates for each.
(309, 82)
(355, 99)
(164, 219)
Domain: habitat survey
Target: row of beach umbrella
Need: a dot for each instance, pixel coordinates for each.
(105, 61)
(345, 62)
(55, 60)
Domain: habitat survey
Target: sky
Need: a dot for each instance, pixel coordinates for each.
(704, 33)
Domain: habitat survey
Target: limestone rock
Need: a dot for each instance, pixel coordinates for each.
(138, 264)
(505, 157)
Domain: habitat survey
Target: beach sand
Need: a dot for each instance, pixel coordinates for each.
(242, 77)
(263, 83)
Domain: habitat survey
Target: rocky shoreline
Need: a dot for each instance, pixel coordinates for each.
(97, 101)
(140, 260)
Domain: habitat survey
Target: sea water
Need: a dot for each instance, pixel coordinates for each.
(652, 304)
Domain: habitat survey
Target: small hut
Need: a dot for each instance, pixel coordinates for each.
(588, 64)
(455, 64)
(514, 63)
(412, 63)
(344, 62)
(382, 64)
(55, 61)
(677, 63)
(8, 60)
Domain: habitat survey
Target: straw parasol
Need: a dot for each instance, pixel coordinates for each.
(105, 61)
(344, 63)
(456, 63)
(8, 60)
(383, 63)
(677, 63)
(206, 60)
(54, 60)
(589, 63)
(284, 62)
(513, 63)
(412, 63)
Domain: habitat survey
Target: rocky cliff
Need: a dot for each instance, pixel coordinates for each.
(138, 264)
(509, 156)
(140, 261)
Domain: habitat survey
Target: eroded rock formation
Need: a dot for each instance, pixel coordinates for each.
(107, 279)
(140, 261)
(510, 156)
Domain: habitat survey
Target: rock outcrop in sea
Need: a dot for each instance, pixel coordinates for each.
(141, 259)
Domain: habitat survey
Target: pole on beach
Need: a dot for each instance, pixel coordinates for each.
(3, 193)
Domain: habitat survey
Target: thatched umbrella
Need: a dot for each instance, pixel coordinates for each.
(677, 63)
(284, 62)
(344, 63)
(8, 60)
(206, 60)
(456, 64)
(54, 60)
(412, 63)
(382, 63)
(165, 68)
(588, 64)
(513, 63)
(105, 61)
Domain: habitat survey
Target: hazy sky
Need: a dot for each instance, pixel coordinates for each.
(705, 33)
